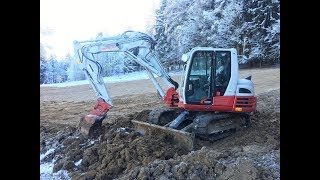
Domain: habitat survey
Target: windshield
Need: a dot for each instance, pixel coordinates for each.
(209, 74)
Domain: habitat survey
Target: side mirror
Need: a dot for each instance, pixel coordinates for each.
(185, 57)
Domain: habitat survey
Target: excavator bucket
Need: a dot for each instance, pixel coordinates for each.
(90, 125)
(182, 138)
(90, 129)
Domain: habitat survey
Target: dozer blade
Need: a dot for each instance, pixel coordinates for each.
(182, 138)
(89, 129)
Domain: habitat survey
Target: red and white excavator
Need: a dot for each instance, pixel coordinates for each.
(211, 102)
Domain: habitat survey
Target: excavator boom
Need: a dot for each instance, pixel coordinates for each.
(136, 45)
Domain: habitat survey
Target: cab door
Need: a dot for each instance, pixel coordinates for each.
(199, 83)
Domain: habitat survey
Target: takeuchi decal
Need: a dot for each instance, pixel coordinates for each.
(109, 48)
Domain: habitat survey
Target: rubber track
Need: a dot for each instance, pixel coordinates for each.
(155, 114)
(202, 122)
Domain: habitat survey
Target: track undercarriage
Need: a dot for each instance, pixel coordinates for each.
(181, 125)
(187, 125)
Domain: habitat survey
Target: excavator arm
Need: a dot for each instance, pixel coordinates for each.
(140, 48)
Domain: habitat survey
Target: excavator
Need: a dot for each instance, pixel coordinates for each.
(210, 103)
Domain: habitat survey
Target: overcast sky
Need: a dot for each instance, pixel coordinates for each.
(83, 19)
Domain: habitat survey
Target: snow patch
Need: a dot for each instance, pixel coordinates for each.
(50, 151)
(47, 168)
(46, 172)
(60, 175)
(122, 130)
(78, 162)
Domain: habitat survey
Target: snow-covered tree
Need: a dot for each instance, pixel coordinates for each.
(42, 64)
(253, 27)
(74, 73)
(262, 27)
(160, 35)
(171, 31)
(50, 70)
(187, 24)
(61, 68)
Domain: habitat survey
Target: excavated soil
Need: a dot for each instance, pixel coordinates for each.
(122, 153)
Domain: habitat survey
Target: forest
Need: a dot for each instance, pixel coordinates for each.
(252, 27)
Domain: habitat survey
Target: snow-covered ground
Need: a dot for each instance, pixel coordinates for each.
(111, 79)
(46, 172)
(46, 169)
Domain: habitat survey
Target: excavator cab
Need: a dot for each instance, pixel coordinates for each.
(207, 75)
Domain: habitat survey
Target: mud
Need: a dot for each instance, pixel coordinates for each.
(117, 151)
(122, 153)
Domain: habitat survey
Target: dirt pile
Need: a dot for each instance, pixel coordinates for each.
(252, 153)
(208, 164)
(118, 150)
(122, 153)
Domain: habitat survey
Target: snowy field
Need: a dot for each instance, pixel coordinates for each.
(111, 79)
